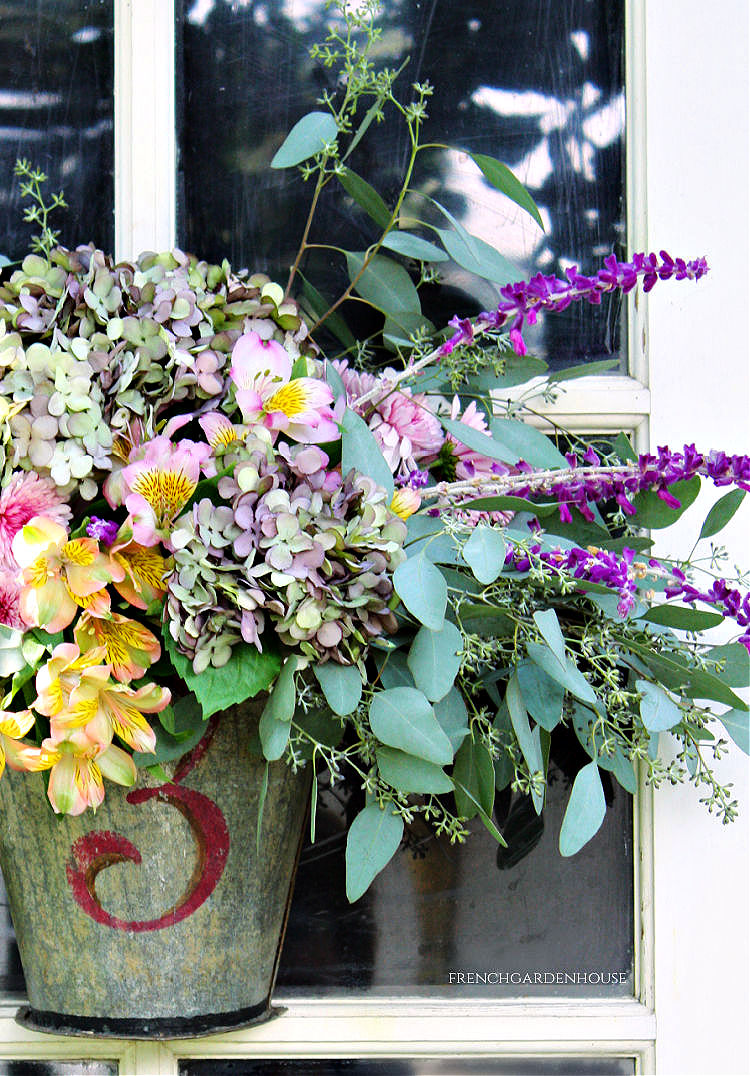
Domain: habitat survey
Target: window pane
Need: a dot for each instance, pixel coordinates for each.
(538, 85)
(456, 1066)
(58, 1068)
(56, 109)
(472, 920)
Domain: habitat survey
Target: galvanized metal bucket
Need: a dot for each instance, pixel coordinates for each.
(162, 915)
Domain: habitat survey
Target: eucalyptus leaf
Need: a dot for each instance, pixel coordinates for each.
(406, 773)
(548, 624)
(542, 696)
(309, 136)
(373, 839)
(478, 441)
(584, 369)
(365, 196)
(652, 512)
(585, 811)
(683, 617)
(529, 744)
(737, 724)
(526, 443)
(453, 717)
(423, 590)
(425, 534)
(473, 770)
(434, 659)
(394, 671)
(722, 512)
(484, 552)
(677, 675)
(341, 685)
(402, 717)
(735, 662)
(624, 449)
(478, 257)
(501, 177)
(361, 452)
(571, 678)
(320, 306)
(383, 282)
(275, 721)
(413, 246)
(658, 711)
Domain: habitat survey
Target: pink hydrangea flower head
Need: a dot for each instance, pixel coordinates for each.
(27, 495)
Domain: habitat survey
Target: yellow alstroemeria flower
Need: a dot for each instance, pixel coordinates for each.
(13, 726)
(142, 569)
(130, 648)
(60, 575)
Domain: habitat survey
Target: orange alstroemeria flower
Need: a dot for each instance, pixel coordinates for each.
(141, 569)
(130, 648)
(60, 575)
(78, 766)
(76, 693)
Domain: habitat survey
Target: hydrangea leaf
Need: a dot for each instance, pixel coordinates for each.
(245, 675)
(585, 811)
(373, 839)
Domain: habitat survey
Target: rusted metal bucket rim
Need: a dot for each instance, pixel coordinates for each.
(187, 1027)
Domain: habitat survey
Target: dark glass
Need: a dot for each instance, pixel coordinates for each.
(402, 1066)
(471, 920)
(538, 85)
(56, 110)
(58, 1068)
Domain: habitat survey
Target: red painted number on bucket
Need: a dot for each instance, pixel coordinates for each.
(101, 848)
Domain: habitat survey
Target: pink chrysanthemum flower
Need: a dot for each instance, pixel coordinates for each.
(469, 462)
(403, 424)
(27, 495)
(10, 592)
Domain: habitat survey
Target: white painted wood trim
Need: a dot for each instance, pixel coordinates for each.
(603, 404)
(145, 127)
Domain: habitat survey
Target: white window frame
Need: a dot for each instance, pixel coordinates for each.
(684, 65)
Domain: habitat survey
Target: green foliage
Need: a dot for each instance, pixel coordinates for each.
(484, 552)
(246, 674)
(422, 589)
(373, 839)
(501, 177)
(402, 717)
(361, 452)
(721, 513)
(435, 658)
(341, 685)
(30, 186)
(309, 136)
(585, 811)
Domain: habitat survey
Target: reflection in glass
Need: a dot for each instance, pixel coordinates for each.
(472, 920)
(58, 1068)
(56, 110)
(538, 85)
(455, 1066)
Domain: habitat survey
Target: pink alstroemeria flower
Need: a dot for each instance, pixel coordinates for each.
(13, 726)
(158, 486)
(266, 394)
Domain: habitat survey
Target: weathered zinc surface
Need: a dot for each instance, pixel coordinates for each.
(160, 906)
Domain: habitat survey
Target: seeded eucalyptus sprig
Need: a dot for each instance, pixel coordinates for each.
(38, 212)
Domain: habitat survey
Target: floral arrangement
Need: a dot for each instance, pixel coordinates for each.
(200, 505)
